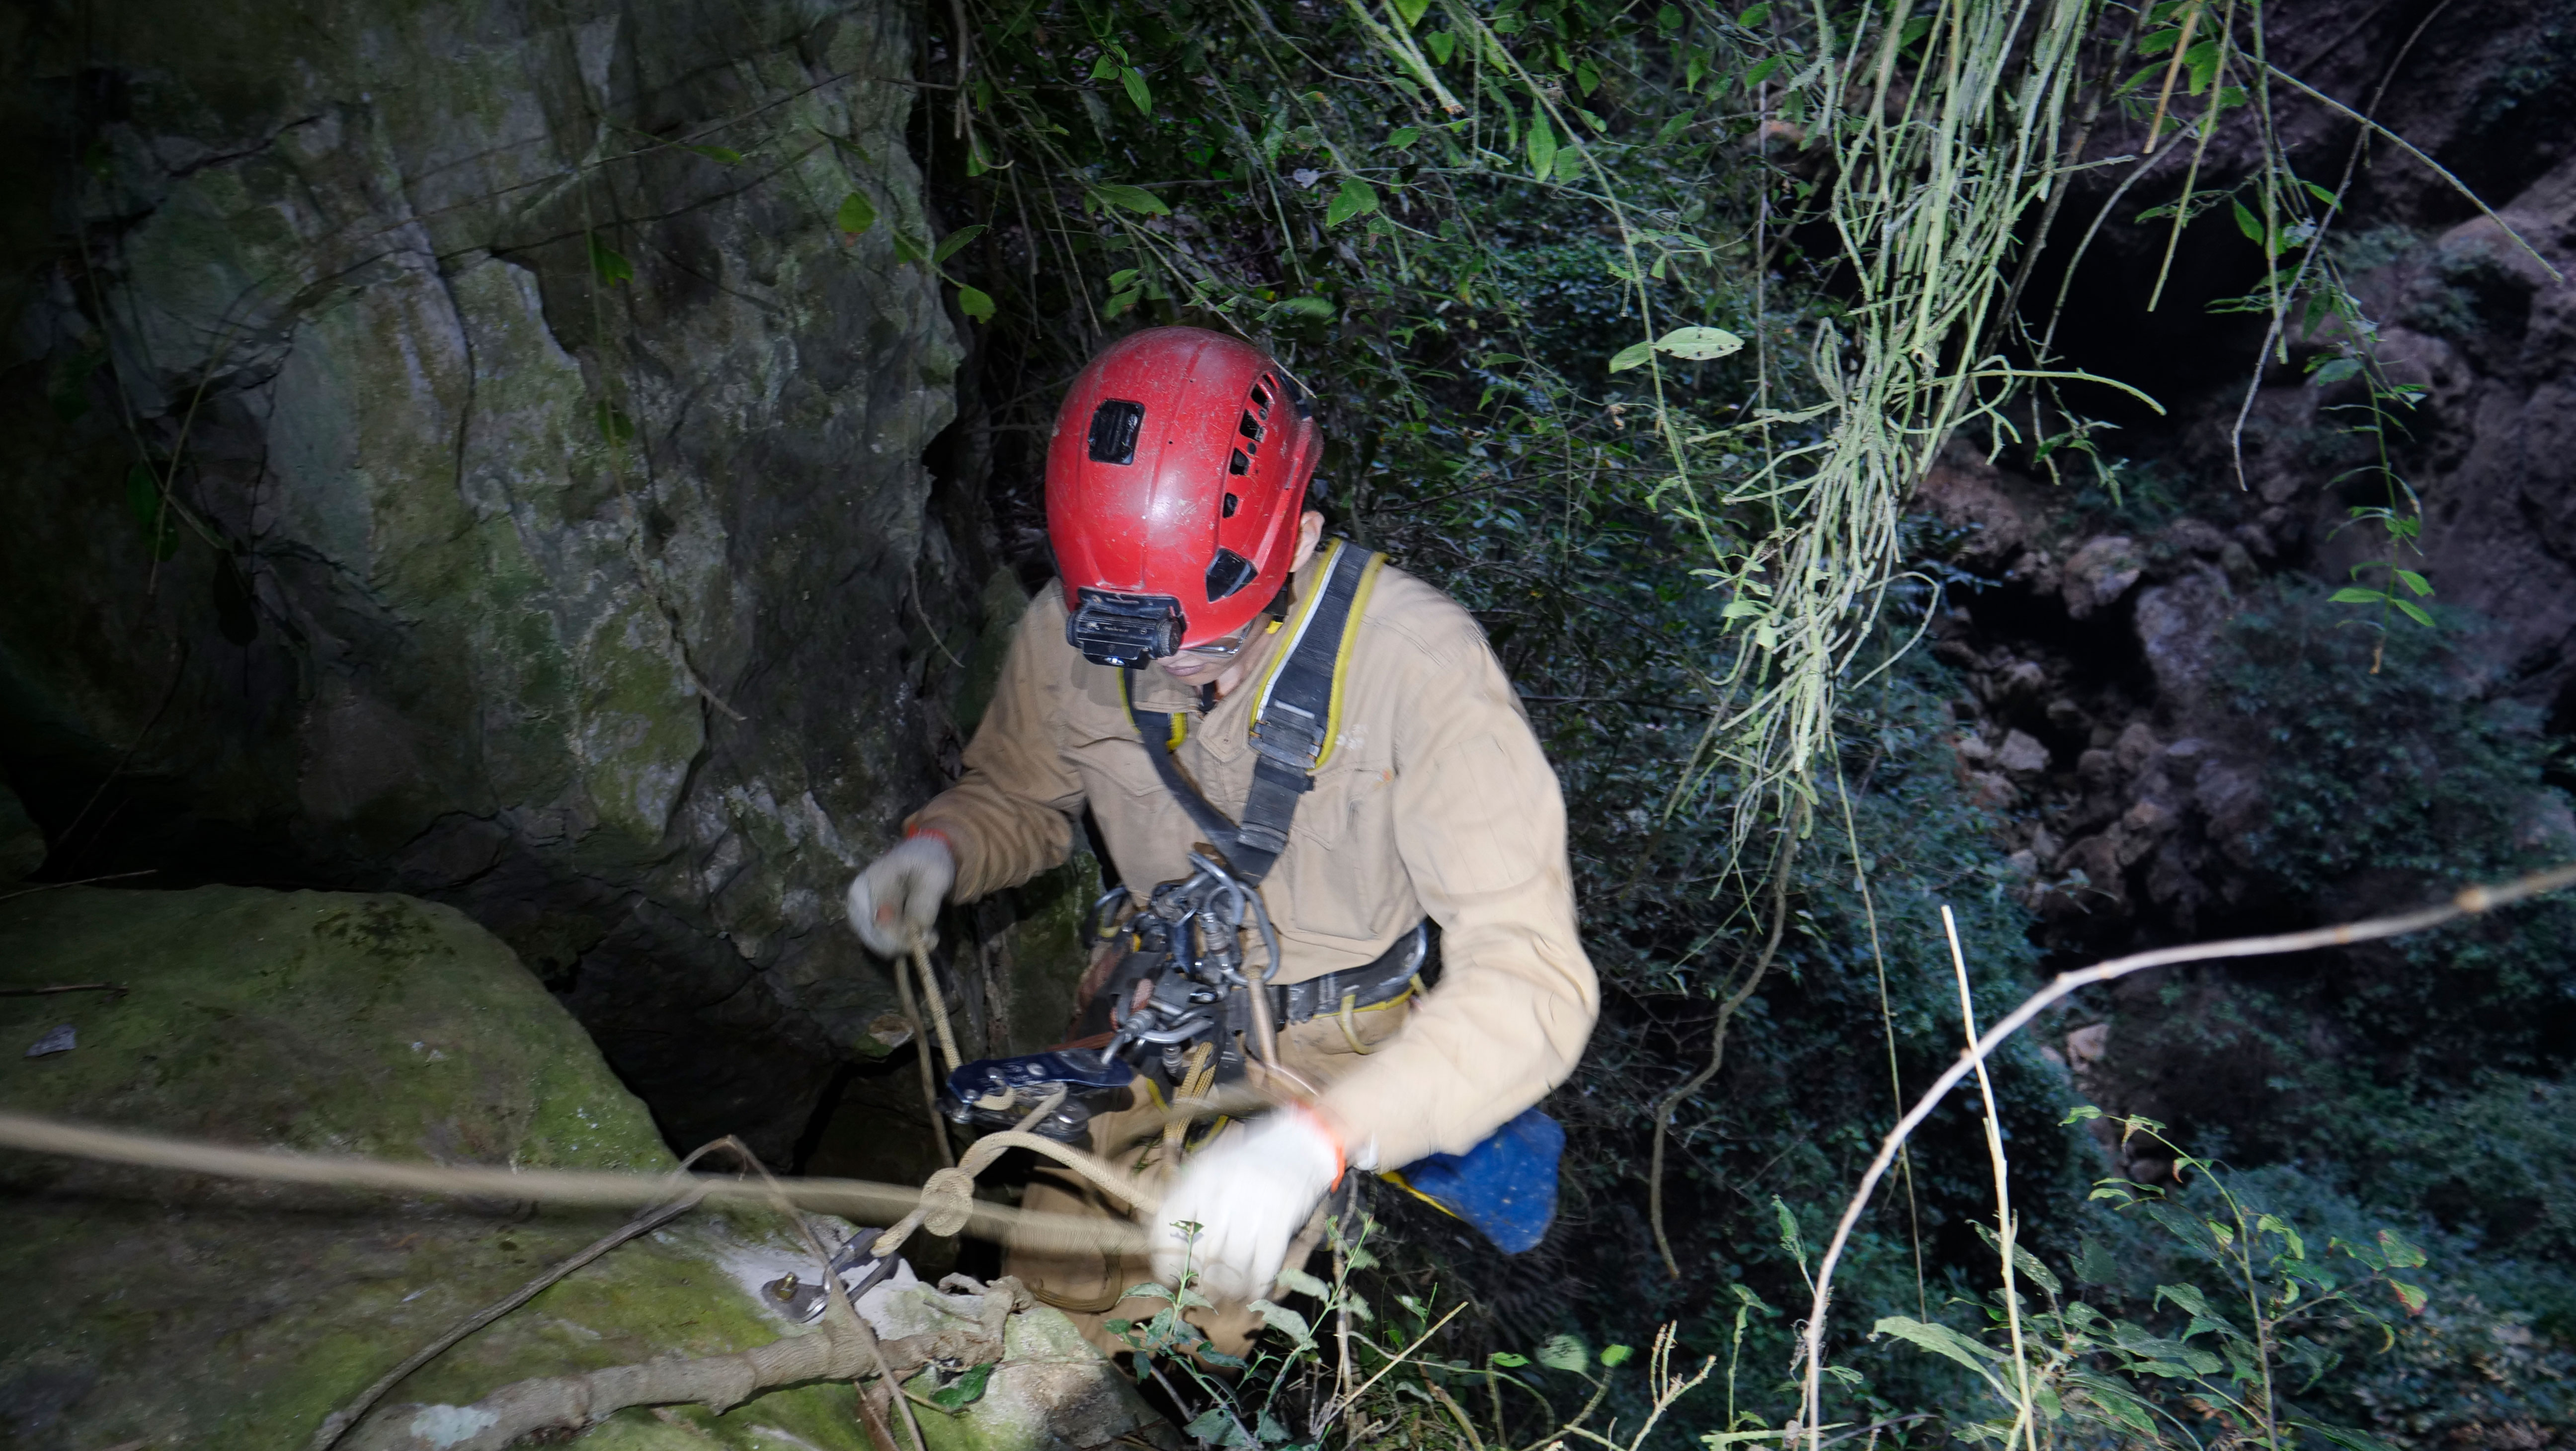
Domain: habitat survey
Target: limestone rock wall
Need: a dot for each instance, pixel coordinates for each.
(457, 448)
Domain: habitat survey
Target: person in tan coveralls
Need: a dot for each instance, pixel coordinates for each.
(1434, 800)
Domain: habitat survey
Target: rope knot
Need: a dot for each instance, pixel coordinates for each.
(947, 1201)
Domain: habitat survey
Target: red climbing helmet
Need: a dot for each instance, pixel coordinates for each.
(1174, 483)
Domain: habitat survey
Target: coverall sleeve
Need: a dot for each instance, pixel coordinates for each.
(1008, 816)
(1480, 827)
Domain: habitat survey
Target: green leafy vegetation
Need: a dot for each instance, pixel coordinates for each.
(1627, 329)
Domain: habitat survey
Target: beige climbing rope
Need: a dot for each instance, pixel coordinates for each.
(938, 1004)
(852, 1198)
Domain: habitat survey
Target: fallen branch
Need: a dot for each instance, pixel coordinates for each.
(337, 1424)
(2470, 902)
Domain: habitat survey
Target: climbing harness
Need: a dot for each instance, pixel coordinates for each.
(1183, 981)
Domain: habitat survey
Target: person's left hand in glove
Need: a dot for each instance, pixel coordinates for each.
(1249, 1193)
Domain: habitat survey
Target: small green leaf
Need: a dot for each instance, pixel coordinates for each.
(1305, 1284)
(1790, 1239)
(1542, 144)
(2356, 594)
(608, 264)
(725, 154)
(1412, 11)
(2333, 370)
(1215, 1428)
(1754, 16)
(1288, 1322)
(975, 303)
(1314, 307)
(908, 249)
(2079, 1114)
(964, 1391)
(1565, 1352)
(2410, 1296)
(2094, 1265)
(1119, 303)
(143, 495)
(2246, 222)
(1402, 137)
(1613, 1356)
(613, 423)
(1939, 1339)
(2289, 1236)
(856, 215)
(1137, 91)
(2415, 582)
(1507, 1360)
(1762, 70)
(1699, 344)
(1133, 198)
(1588, 76)
(951, 244)
(1632, 356)
(2414, 611)
(1355, 198)
(1442, 45)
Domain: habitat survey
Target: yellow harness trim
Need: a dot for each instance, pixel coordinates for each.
(1304, 615)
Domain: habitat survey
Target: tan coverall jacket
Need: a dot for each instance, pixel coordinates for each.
(1435, 799)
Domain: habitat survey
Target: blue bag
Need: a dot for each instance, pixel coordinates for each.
(1505, 1186)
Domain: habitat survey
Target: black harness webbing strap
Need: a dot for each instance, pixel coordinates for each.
(1291, 730)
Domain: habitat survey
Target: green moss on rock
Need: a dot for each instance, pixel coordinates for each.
(215, 1314)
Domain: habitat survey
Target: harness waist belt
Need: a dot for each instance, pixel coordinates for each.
(1382, 981)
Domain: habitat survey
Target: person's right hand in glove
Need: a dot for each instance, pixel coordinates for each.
(896, 900)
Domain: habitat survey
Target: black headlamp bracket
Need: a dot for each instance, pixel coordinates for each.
(1125, 630)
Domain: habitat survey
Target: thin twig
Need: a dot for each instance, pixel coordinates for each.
(2004, 1222)
(83, 882)
(1717, 1046)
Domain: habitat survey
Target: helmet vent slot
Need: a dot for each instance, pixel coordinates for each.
(1239, 465)
(1227, 573)
(1250, 428)
(1114, 426)
(1233, 502)
(1261, 398)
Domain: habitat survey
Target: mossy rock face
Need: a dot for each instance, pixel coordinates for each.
(177, 1310)
(555, 537)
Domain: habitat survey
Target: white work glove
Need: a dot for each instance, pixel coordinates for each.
(897, 898)
(1249, 1194)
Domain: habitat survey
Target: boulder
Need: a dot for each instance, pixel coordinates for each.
(161, 1310)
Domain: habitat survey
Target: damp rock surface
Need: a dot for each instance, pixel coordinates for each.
(183, 1310)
